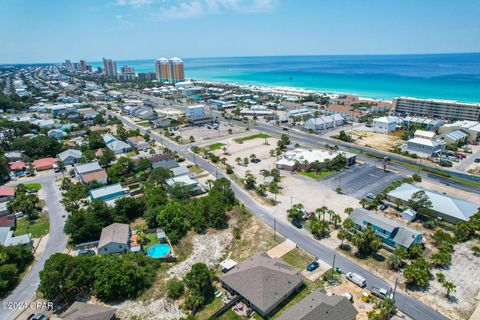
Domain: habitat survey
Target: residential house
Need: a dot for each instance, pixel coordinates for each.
(109, 193)
(57, 134)
(262, 282)
(385, 125)
(448, 208)
(117, 146)
(392, 233)
(89, 172)
(183, 177)
(9, 220)
(87, 311)
(138, 143)
(115, 238)
(196, 115)
(13, 156)
(70, 156)
(320, 306)
(426, 123)
(345, 111)
(7, 238)
(7, 193)
(324, 122)
(425, 143)
(17, 166)
(4, 210)
(160, 123)
(44, 164)
(163, 160)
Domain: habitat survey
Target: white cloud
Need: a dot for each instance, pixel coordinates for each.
(170, 10)
(135, 3)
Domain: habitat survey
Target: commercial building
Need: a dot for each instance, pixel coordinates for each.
(451, 209)
(441, 109)
(455, 137)
(196, 114)
(385, 125)
(110, 68)
(304, 159)
(262, 282)
(110, 192)
(114, 238)
(425, 143)
(170, 70)
(320, 306)
(392, 233)
(471, 127)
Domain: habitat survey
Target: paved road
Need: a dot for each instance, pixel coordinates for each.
(57, 241)
(410, 306)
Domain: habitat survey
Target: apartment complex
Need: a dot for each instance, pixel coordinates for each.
(170, 70)
(440, 109)
(110, 67)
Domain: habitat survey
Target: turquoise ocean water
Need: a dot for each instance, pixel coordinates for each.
(440, 76)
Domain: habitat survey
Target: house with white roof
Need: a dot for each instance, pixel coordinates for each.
(70, 156)
(8, 239)
(385, 125)
(425, 143)
(117, 146)
(451, 209)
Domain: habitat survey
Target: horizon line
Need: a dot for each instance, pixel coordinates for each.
(263, 56)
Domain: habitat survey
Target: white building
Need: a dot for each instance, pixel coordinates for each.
(324, 122)
(425, 143)
(472, 127)
(303, 159)
(385, 124)
(195, 112)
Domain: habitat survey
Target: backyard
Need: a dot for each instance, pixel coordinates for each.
(38, 227)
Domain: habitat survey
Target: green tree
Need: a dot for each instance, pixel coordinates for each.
(343, 235)
(160, 175)
(107, 157)
(394, 262)
(417, 273)
(419, 200)
(249, 181)
(175, 288)
(296, 211)
(367, 242)
(449, 286)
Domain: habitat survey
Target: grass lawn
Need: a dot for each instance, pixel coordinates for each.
(152, 239)
(37, 228)
(313, 175)
(30, 186)
(210, 309)
(144, 123)
(215, 146)
(230, 315)
(251, 137)
(298, 259)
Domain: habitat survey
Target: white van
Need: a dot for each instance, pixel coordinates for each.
(357, 279)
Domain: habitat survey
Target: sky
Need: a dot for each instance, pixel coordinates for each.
(34, 31)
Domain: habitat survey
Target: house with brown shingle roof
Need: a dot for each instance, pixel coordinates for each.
(262, 282)
(318, 305)
(345, 111)
(138, 142)
(87, 311)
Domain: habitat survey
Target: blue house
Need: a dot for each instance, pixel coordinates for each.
(110, 192)
(392, 233)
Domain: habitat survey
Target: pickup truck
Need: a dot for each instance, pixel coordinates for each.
(357, 279)
(380, 292)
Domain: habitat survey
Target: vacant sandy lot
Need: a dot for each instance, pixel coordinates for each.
(376, 140)
(464, 272)
(202, 133)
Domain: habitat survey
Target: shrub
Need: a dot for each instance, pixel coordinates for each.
(175, 288)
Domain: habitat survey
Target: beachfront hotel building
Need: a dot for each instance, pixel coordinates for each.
(110, 68)
(170, 70)
(439, 109)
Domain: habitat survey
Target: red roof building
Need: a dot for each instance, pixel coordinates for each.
(17, 165)
(8, 220)
(44, 163)
(7, 192)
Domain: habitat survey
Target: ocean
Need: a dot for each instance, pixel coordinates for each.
(439, 76)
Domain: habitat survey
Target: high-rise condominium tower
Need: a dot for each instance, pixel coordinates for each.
(109, 67)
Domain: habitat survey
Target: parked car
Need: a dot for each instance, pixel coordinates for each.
(477, 160)
(370, 196)
(86, 252)
(256, 160)
(308, 215)
(357, 279)
(380, 292)
(312, 266)
(383, 206)
(460, 155)
(37, 316)
(285, 129)
(297, 223)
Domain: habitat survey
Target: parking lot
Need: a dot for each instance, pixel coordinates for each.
(361, 179)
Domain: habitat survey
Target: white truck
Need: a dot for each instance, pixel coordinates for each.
(357, 279)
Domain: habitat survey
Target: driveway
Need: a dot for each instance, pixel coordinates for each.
(409, 305)
(57, 241)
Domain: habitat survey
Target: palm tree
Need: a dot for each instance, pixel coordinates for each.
(394, 261)
(349, 210)
(449, 286)
(399, 203)
(336, 219)
(209, 183)
(142, 238)
(343, 235)
(237, 160)
(253, 157)
(330, 214)
(363, 202)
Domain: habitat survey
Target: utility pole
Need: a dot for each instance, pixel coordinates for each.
(395, 288)
(333, 265)
(274, 229)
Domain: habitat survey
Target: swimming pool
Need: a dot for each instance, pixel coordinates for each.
(158, 250)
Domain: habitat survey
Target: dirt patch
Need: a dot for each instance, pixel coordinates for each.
(385, 142)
